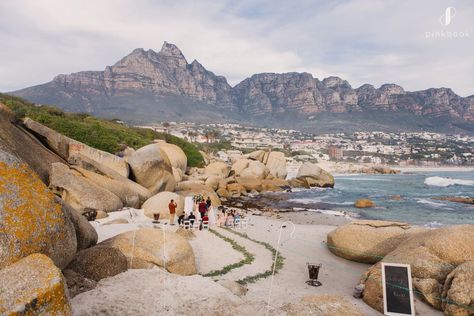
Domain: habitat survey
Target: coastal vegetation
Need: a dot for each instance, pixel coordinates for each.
(111, 136)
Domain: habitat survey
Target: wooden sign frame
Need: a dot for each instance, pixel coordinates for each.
(388, 307)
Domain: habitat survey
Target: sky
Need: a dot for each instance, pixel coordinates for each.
(362, 41)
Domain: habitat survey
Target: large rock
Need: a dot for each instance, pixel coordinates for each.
(458, 291)
(99, 262)
(368, 241)
(30, 219)
(152, 292)
(432, 255)
(159, 204)
(109, 178)
(248, 168)
(152, 169)
(81, 193)
(274, 185)
(322, 305)
(218, 168)
(311, 175)
(250, 184)
(178, 174)
(258, 155)
(176, 156)
(147, 248)
(213, 182)
(276, 163)
(128, 191)
(66, 147)
(364, 203)
(86, 235)
(77, 283)
(24, 145)
(190, 188)
(33, 286)
(235, 190)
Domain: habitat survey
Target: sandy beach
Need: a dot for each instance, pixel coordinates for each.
(303, 236)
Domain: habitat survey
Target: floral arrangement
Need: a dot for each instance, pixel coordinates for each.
(198, 198)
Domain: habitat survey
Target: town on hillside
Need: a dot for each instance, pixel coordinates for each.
(425, 149)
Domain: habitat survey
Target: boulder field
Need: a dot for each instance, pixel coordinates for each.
(49, 181)
(440, 259)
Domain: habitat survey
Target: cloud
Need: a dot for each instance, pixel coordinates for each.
(361, 41)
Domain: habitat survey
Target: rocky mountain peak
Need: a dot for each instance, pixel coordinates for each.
(163, 82)
(173, 54)
(391, 88)
(336, 82)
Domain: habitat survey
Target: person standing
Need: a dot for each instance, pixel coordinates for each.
(208, 204)
(202, 208)
(172, 207)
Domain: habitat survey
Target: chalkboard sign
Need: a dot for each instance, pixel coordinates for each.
(397, 289)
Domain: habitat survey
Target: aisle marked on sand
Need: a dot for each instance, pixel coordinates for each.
(263, 258)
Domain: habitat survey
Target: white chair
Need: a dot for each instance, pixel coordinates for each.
(187, 224)
(205, 225)
(196, 225)
(244, 222)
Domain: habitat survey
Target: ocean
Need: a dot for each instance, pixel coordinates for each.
(416, 204)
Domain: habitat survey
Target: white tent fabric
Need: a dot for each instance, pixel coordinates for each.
(188, 205)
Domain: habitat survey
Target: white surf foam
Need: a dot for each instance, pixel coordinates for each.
(429, 202)
(307, 200)
(329, 212)
(445, 182)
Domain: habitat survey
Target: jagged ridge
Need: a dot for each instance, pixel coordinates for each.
(149, 85)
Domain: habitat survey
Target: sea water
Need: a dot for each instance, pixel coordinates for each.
(417, 203)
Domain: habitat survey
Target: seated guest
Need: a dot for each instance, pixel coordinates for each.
(205, 218)
(191, 217)
(237, 217)
(220, 219)
(229, 220)
(181, 218)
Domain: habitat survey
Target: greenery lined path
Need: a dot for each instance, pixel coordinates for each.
(247, 270)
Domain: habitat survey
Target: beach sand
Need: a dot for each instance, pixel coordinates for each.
(307, 244)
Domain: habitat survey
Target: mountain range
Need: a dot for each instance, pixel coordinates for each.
(148, 86)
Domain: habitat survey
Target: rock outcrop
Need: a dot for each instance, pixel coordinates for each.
(276, 164)
(322, 305)
(31, 221)
(368, 241)
(158, 204)
(458, 291)
(33, 286)
(217, 168)
(147, 248)
(18, 141)
(176, 155)
(86, 235)
(81, 193)
(152, 169)
(432, 255)
(99, 262)
(66, 147)
(248, 168)
(130, 193)
(364, 203)
(109, 178)
(310, 175)
(154, 292)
